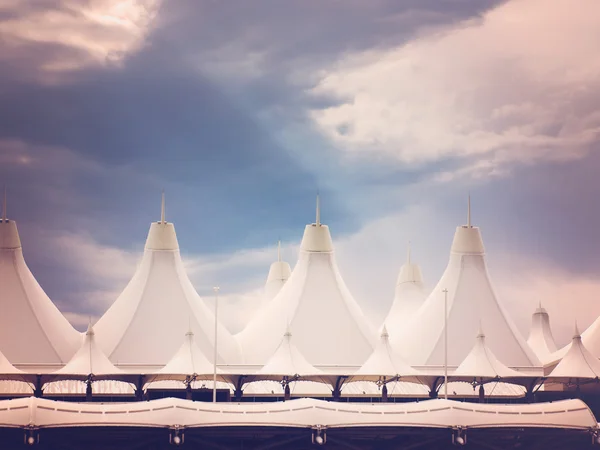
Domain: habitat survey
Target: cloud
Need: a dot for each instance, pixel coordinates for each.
(518, 85)
(99, 31)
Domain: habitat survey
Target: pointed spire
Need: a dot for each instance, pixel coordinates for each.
(90, 329)
(279, 250)
(384, 332)
(577, 333)
(4, 206)
(318, 219)
(162, 208)
(408, 254)
(469, 212)
(480, 333)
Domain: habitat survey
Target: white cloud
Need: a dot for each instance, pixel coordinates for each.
(103, 31)
(513, 86)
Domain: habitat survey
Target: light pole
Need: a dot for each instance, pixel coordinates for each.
(216, 289)
(445, 291)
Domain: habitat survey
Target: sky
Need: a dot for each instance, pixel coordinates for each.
(394, 111)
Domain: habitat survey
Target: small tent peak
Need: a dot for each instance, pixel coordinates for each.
(480, 333)
(577, 334)
(90, 330)
(384, 332)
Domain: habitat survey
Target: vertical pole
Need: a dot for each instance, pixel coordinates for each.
(216, 289)
(445, 291)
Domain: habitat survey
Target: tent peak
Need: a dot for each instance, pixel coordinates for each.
(384, 332)
(577, 334)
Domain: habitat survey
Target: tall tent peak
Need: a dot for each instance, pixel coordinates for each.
(162, 234)
(279, 272)
(316, 236)
(90, 330)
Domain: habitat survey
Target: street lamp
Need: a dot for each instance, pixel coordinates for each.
(445, 291)
(216, 289)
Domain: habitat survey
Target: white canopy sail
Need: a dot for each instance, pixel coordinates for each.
(279, 272)
(329, 327)
(32, 329)
(89, 360)
(384, 361)
(540, 338)
(288, 361)
(482, 363)
(187, 361)
(144, 325)
(578, 362)
(471, 301)
(409, 295)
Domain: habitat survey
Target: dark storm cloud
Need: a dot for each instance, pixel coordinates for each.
(187, 113)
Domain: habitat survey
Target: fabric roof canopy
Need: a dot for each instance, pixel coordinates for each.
(482, 363)
(540, 338)
(188, 361)
(578, 362)
(287, 361)
(471, 301)
(329, 327)
(408, 297)
(384, 361)
(279, 272)
(144, 325)
(32, 329)
(90, 360)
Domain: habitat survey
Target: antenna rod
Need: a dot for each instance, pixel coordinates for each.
(279, 250)
(4, 206)
(318, 220)
(162, 208)
(408, 256)
(469, 212)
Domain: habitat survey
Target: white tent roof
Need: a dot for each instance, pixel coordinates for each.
(279, 272)
(188, 360)
(327, 323)
(288, 360)
(590, 338)
(471, 301)
(32, 329)
(89, 360)
(384, 361)
(578, 362)
(144, 325)
(409, 295)
(482, 363)
(540, 338)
